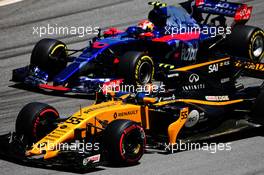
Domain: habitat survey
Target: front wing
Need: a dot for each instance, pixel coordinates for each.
(36, 78)
(13, 150)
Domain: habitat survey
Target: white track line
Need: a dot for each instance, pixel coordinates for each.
(7, 2)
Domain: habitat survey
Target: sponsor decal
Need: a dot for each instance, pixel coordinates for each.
(250, 65)
(217, 98)
(194, 78)
(215, 67)
(192, 119)
(122, 114)
(99, 107)
(167, 98)
(193, 87)
(173, 75)
(189, 52)
(220, 7)
(92, 159)
(225, 63)
(225, 80)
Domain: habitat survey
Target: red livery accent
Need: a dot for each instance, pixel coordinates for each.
(112, 31)
(183, 37)
(199, 2)
(116, 61)
(99, 45)
(113, 85)
(55, 88)
(243, 13)
(146, 35)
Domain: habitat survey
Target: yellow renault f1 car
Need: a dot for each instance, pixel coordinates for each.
(199, 100)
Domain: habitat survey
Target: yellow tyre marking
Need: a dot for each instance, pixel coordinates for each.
(55, 48)
(138, 64)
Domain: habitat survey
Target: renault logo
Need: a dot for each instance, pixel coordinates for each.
(194, 78)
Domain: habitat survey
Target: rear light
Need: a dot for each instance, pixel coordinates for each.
(243, 13)
(199, 2)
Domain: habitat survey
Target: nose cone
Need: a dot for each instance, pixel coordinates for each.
(65, 74)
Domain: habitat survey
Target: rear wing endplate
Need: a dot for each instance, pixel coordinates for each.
(239, 11)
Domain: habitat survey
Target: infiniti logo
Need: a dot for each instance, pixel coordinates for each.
(194, 78)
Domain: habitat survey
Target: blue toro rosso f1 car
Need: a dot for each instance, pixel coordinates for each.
(172, 37)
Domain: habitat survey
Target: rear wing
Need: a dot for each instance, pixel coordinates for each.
(240, 12)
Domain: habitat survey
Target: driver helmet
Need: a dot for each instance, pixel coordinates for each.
(146, 25)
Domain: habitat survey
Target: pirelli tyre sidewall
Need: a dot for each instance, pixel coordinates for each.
(49, 55)
(124, 142)
(35, 120)
(137, 68)
(247, 42)
(144, 70)
(256, 46)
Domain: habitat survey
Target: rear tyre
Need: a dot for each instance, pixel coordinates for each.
(49, 55)
(124, 142)
(136, 67)
(248, 42)
(34, 121)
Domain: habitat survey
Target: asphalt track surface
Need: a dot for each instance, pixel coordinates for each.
(16, 41)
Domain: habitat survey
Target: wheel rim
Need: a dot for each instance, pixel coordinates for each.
(258, 47)
(132, 145)
(145, 73)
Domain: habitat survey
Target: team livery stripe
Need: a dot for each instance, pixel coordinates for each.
(200, 65)
(211, 103)
(182, 37)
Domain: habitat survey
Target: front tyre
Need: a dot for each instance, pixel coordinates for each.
(124, 142)
(49, 55)
(35, 120)
(136, 67)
